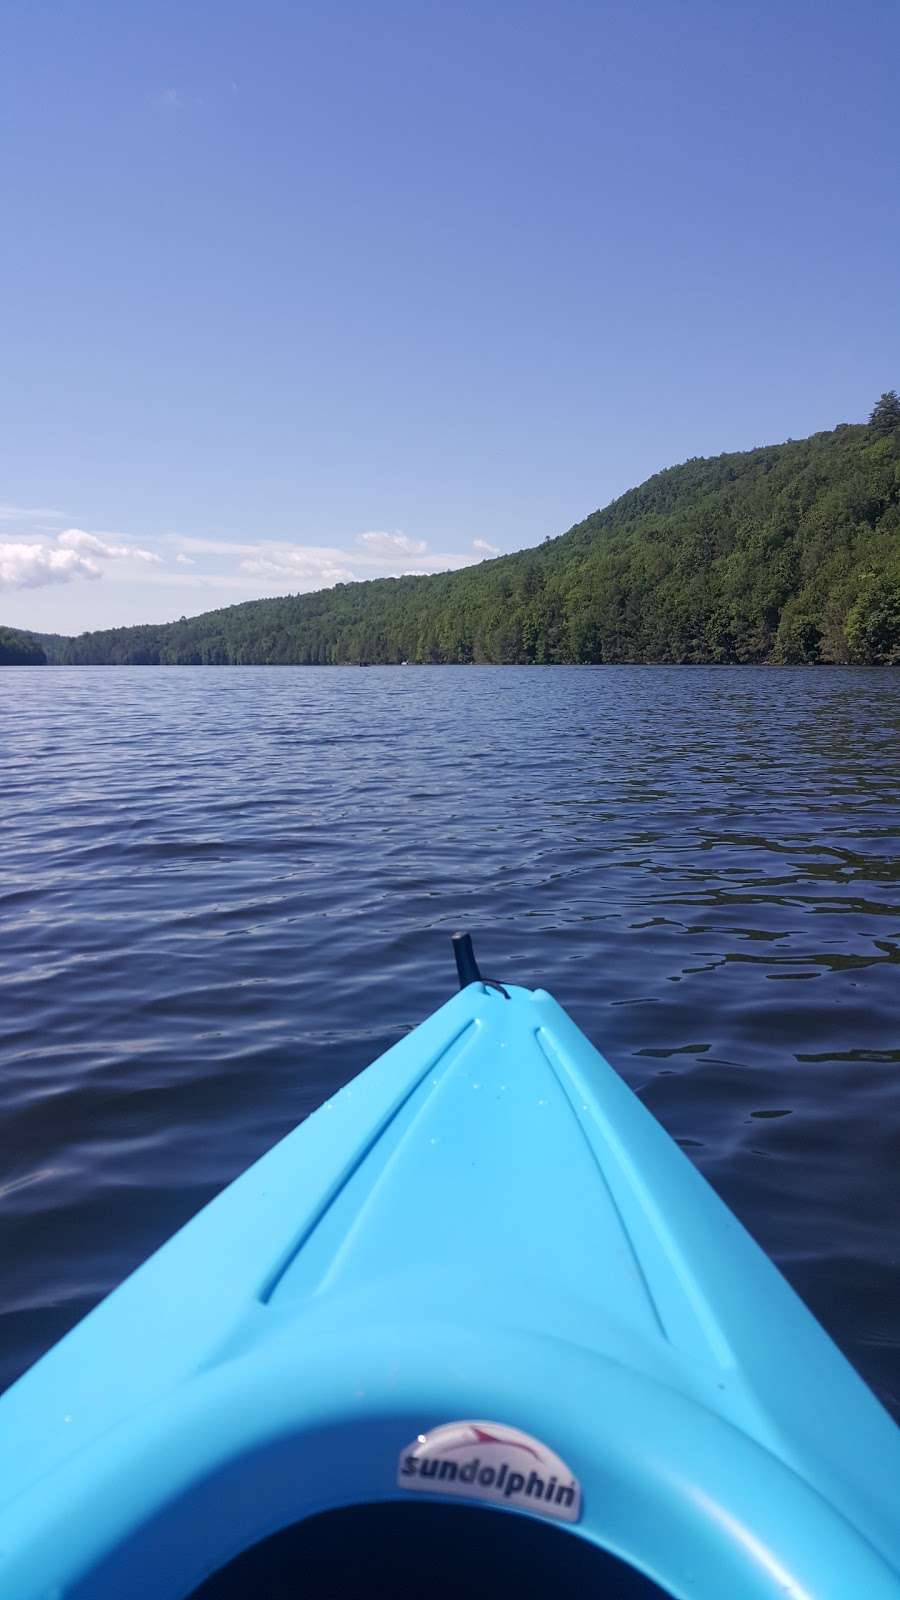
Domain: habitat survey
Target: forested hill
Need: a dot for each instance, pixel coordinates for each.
(19, 649)
(789, 553)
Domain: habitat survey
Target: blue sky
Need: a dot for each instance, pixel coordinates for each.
(297, 291)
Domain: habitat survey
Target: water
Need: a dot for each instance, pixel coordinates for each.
(224, 891)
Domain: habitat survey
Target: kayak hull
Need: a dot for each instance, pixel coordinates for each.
(486, 1224)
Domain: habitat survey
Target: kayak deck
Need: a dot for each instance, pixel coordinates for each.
(485, 1224)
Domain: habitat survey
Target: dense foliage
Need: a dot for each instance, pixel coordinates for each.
(20, 649)
(789, 553)
(886, 412)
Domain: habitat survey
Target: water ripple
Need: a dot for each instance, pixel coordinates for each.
(223, 892)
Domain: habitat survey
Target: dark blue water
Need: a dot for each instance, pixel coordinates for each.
(224, 891)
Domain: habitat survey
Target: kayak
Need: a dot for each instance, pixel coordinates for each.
(476, 1327)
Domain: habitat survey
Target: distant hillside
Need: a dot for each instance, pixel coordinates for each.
(20, 649)
(790, 553)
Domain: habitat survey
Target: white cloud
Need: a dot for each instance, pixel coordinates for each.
(305, 567)
(31, 566)
(211, 547)
(77, 539)
(396, 555)
(391, 544)
(32, 563)
(304, 564)
(244, 569)
(30, 514)
(485, 548)
(159, 578)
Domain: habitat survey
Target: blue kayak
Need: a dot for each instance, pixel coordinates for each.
(477, 1327)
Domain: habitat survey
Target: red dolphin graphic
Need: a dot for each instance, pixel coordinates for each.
(483, 1437)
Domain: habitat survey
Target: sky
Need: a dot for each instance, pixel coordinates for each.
(293, 293)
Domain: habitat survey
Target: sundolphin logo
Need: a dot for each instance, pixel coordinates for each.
(489, 1461)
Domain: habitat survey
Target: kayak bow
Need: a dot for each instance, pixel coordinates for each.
(477, 1315)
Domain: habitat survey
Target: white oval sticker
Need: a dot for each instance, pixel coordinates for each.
(490, 1461)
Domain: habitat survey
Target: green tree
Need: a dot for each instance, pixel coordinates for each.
(886, 412)
(789, 552)
(873, 623)
(799, 637)
(19, 650)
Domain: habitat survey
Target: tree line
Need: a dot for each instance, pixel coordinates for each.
(788, 553)
(20, 649)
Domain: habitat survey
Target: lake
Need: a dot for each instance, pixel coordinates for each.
(224, 891)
